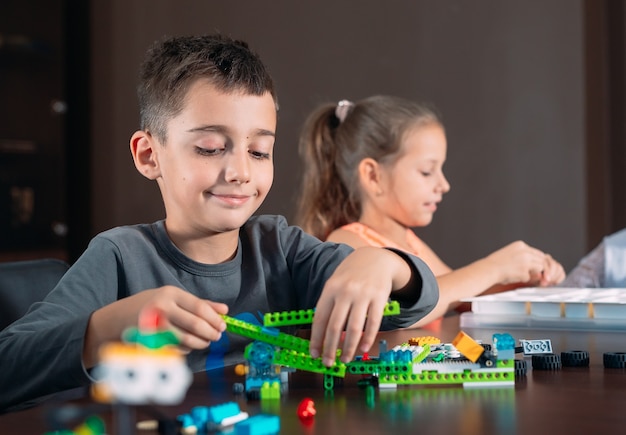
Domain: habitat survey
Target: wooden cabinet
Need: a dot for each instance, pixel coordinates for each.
(34, 139)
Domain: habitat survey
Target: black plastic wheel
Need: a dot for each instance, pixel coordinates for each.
(547, 361)
(520, 368)
(575, 358)
(614, 360)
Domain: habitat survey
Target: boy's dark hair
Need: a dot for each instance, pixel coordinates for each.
(173, 64)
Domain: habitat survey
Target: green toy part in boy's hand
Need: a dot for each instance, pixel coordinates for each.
(154, 340)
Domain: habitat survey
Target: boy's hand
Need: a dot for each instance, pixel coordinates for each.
(195, 321)
(354, 299)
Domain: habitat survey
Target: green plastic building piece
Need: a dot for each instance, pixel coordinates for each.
(305, 317)
(303, 361)
(287, 318)
(377, 367)
(298, 346)
(256, 332)
(503, 374)
(270, 390)
(392, 308)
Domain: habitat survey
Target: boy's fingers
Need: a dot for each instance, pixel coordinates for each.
(354, 333)
(189, 324)
(318, 328)
(219, 307)
(372, 326)
(190, 341)
(334, 329)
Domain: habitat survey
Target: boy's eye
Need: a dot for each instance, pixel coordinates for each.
(259, 155)
(426, 174)
(208, 151)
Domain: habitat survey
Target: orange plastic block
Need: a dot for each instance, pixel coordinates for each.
(467, 346)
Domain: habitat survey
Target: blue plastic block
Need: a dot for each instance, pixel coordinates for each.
(503, 341)
(220, 412)
(260, 424)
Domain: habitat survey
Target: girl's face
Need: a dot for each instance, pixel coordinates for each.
(413, 185)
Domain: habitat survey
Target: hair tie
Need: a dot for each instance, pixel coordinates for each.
(343, 108)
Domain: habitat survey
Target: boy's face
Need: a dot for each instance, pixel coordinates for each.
(217, 165)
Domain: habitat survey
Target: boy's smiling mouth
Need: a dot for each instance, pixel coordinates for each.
(230, 199)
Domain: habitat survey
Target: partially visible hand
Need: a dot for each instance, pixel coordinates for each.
(553, 272)
(195, 321)
(354, 298)
(517, 262)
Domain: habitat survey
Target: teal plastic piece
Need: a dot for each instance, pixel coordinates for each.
(154, 340)
(260, 424)
(503, 341)
(218, 413)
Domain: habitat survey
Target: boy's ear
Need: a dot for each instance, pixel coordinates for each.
(370, 176)
(142, 147)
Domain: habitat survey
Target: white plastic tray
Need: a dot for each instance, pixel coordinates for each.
(562, 308)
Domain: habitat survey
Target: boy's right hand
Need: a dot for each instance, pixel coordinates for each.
(196, 322)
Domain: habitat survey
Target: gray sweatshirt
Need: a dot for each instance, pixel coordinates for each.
(276, 268)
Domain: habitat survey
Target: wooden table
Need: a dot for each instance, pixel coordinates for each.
(570, 400)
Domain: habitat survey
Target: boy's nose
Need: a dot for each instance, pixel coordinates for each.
(238, 168)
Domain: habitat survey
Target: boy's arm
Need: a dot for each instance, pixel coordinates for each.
(355, 295)
(197, 322)
(40, 353)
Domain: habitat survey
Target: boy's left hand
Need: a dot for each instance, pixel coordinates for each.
(354, 299)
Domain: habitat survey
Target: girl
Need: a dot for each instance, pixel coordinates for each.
(374, 170)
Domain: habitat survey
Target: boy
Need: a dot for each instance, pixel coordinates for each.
(208, 117)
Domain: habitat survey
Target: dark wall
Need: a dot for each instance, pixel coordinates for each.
(506, 75)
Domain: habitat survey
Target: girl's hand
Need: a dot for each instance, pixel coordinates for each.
(553, 272)
(517, 263)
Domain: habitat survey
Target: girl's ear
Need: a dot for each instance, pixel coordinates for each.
(143, 148)
(370, 177)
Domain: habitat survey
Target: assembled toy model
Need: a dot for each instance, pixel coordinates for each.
(147, 368)
(423, 361)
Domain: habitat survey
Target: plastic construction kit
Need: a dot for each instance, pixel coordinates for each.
(147, 367)
(551, 308)
(422, 361)
(464, 362)
(227, 417)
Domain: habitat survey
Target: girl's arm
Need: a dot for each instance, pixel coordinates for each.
(515, 265)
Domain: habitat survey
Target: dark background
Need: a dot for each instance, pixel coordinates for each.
(531, 93)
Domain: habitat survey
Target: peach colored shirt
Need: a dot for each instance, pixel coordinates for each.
(375, 239)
